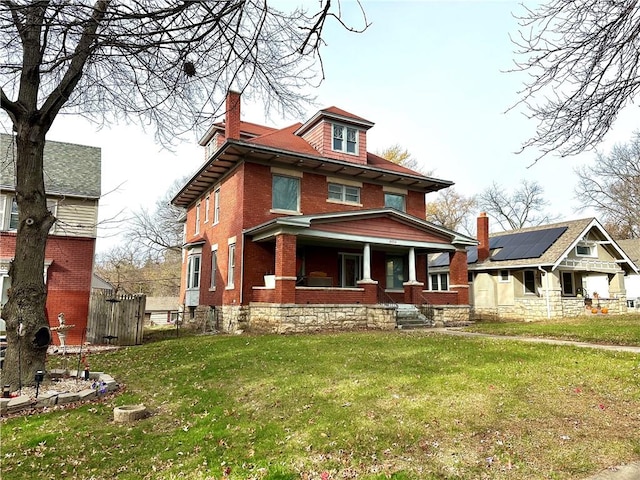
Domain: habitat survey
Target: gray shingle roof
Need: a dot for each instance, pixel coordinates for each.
(69, 169)
(632, 248)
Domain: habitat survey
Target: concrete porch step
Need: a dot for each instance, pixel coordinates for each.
(409, 317)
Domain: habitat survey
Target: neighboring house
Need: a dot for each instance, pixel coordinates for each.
(632, 282)
(302, 229)
(100, 284)
(72, 184)
(161, 310)
(548, 271)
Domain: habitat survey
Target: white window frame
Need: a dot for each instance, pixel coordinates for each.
(437, 282)
(524, 282)
(593, 252)
(502, 278)
(340, 192)
(214, 267)
(206, 208)
(216, 206)
(276, 209)
(231, 266)
(341, 132)
(193, 273)
(197, 229)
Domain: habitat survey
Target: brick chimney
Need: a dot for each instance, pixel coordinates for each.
(483, 237)
(232, 118)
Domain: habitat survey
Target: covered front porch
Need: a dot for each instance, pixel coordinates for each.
(367, 258)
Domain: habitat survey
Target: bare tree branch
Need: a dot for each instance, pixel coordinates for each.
(583, 61)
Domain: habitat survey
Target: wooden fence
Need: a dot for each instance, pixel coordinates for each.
(115, 319)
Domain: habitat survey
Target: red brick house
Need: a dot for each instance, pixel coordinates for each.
(301, 228)
(72, 183)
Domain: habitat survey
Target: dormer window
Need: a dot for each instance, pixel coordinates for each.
(586, 249)
(345, 139)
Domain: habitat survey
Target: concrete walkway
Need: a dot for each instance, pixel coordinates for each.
(622, 472)
(461, 333)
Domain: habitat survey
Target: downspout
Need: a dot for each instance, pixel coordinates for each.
(242, 268)
(546, 290)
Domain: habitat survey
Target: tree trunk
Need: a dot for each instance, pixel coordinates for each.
(28, 334)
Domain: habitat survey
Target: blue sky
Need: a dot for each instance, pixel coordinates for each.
(430, 75)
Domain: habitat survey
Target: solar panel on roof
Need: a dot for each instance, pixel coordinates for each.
(516, 246)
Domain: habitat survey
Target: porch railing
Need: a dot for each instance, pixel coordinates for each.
(384, 298)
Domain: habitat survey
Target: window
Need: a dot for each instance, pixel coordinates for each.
(394, 200)
(206, 209)
(586, 250)
(568, 283)
(214, 267)
(286, 193)
(193, 271)
(529, 281)
(216, 206)
(197, 229)
(9, 212)
(350, 269)
(231, 265)
(345, 139)
(439, 281)
(504, 275)
(344, 193)
(396, 272)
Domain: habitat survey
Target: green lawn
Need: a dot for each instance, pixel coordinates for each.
(361, 405)
(606, 329)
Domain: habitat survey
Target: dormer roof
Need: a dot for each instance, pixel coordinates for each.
(336, 114)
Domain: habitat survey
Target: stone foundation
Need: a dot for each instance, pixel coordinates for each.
(450, 315)
(276, 318)
(535, 308)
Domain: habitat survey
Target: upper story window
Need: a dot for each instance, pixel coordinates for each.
(216, 205)
(9, 212)
(395, 200)
(344, 193)
(345, 139)
(586, 249)
(285, 193)
(197, 229)
(206, 209)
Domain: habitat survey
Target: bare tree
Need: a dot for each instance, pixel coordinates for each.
(521, 208)
(452, 210)
(583, 59)
(156, 62)
(130, 270)
(612, 187)
(160, 230)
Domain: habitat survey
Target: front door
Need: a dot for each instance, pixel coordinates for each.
(351, 270)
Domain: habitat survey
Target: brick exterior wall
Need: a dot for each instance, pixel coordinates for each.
(68, 280)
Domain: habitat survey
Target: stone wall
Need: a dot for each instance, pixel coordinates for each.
(450, 315)
(535, 308)
(275, 318)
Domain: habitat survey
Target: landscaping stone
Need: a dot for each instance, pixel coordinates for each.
(65, 398)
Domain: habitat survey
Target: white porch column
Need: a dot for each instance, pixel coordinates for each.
(412, 265)
(366, 262)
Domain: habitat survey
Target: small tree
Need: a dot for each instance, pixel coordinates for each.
(611, 186)
(521, 208)
(158, 62)
(452, 210)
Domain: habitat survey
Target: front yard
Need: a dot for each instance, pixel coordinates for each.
(605, 329)
(335, 406)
